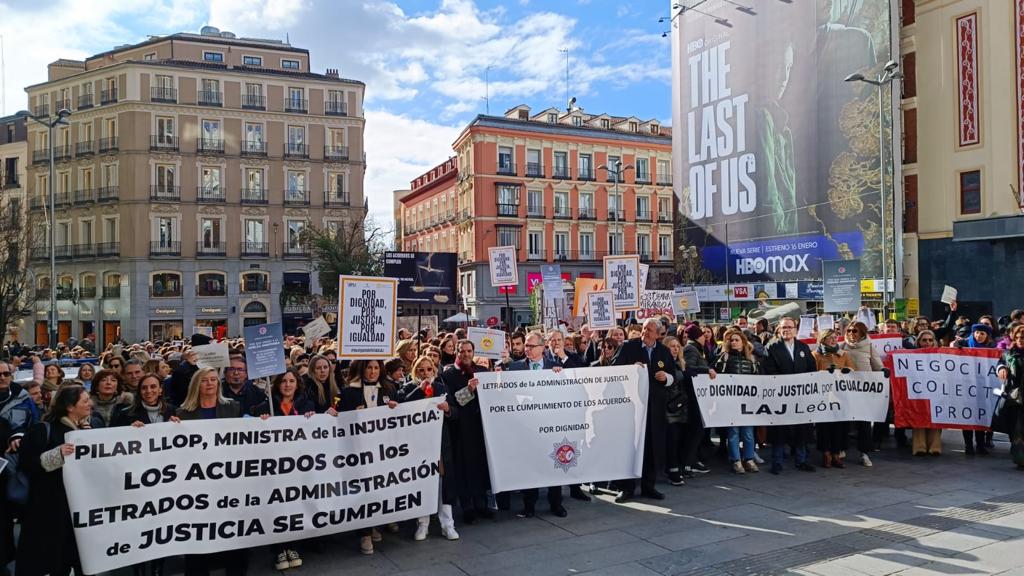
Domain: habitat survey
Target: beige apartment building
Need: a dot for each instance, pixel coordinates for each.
(189, 167)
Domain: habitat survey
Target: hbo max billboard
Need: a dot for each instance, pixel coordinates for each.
(778, 155)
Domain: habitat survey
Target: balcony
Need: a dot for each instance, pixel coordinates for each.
(87, 292)
(108, 250)
(534, 170)
(173, 291)
(107, 194)
(535, 256)
(210, 146)
(61, 153)
(254, 196)
(164, 248)
(664, 217)
(336, 153)
(643, 177)
(62, 105)
(585, 174)
(255, 249)
(41, 110)
(63, 198)
(296, 105)
(65, 252)
(210, 98)
(40, 253)
(336, 198)
(85, 251)
(646, 257)
(42, 293)
(87, 148)
(560, 172)
(251, 148)
(108, 96)
(108, 145)
(163, 94)
(664, 180)
(332, 108)
(111, 291)
(164, 193)
(508, 210)
(209, 194)
(84, 101)
(535, 211)
(41, 156)
(85, 196)
(11, 181)
(65, 293)
(587, 214)
(616, 215)
(295, 197)
(506, 169)
(210, 249)
(254, 102)
(163, 143)
(294, 250)
(644, 216)
(562, 212)
(296, 150)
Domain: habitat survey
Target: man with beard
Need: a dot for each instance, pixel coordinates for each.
(469, 453)
(518, 343)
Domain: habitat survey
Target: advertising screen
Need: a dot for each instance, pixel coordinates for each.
(423, 276)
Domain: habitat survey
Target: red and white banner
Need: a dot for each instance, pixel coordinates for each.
(884, 344)
(945, 387)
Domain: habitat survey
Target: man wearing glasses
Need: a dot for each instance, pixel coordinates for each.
(237, 386)
(787, 355)
(16, 406)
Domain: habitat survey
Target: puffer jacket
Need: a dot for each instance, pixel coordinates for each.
(736, 363)
(863, 355)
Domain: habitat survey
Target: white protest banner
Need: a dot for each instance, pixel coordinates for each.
(622, 277)
(644, 270)
(945, 387)
(734, 400)
(210, 485)
(487, 343)
(685, 303)
(655, 303)
(884, 344)
(806, 326)
(504, 270)
(367, 312)
(212, 355)
(826, 322)
(315, 329)
(600, 310)
(579, 425)
(948, 295)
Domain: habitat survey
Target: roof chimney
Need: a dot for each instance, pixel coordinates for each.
(332, 73)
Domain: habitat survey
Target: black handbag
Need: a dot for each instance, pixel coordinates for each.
(677, 399)
(16, 485)
(1004, 412)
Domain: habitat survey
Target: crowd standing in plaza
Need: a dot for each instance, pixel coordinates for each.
(159, 383)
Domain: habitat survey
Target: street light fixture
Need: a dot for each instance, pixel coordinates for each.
(617, 172)
(50, 122)
(890, 73)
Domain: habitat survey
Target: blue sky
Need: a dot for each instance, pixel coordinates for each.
(424, 61)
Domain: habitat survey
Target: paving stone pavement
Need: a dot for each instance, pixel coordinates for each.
(909, 516)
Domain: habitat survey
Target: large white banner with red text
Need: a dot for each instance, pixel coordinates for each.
(945, 387)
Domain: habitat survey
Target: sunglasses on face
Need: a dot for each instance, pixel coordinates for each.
(5, 374)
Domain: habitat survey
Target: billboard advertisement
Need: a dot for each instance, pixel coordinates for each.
(776, 155)
(423, 277)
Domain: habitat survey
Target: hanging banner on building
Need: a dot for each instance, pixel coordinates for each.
(622, 277)
(579, 425)
(945, 387)
(367, 314)
(423, 276)
(487, 343)
(734, 400)
(601, 310)
(841, 279)
(655, 303)
(264, 350)
(503, 266)
(206, 486)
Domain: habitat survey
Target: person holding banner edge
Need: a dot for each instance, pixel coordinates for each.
(1011, 371)
(738, 357)
(832, 436)
(787, 355)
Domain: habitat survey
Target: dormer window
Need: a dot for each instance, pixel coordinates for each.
(577, 121)
(632, 127)
(605, 123)
(655, 129)
(552, 117)
(524, 115)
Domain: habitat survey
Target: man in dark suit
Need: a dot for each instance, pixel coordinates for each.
(536, 359)
(787, 355)
(647, 350)
(557, 355)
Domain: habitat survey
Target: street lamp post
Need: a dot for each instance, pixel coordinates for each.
(50, 123)
(888, 75)
(617, 172)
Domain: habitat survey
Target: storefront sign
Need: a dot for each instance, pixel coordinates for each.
(165, 311)
(211, 310)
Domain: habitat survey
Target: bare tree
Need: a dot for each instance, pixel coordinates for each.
(16, 283)
(355, 246)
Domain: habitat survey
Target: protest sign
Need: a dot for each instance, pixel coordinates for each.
(884, 344)
(264, 350)
(584, 286)
(487, 343)
(548, 429)
(315, 329)
(826, 322)
(948, 295)
(867, 316)
(413, 323)
(806, 329)
(367, 312)
(622, 277)
(945, 387)
(734, 400)
(685, 303)
(841, 279)
(206, 486)
(644, 270)
(600, 310)
(212, 355)
(504, 270)
(655, 303)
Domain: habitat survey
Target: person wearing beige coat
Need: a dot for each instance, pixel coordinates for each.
(858, 347)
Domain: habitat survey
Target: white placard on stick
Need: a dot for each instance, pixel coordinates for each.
(315, 329)
(644, 270)
(600, 310)
(685, 303)
(367, 312)
(948, 295)
(622, 277)
(503, 265)
(806, 326)
(487, 343)
(826, 322)
(212, 355)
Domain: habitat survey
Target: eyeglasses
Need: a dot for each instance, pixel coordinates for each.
(850, 330)
(5, 374)
(233, 369)
(534, 345)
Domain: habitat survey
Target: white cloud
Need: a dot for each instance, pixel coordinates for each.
(268, 14)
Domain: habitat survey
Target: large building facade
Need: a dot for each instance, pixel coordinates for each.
(540, 181)
(14, 207)
(186, 173)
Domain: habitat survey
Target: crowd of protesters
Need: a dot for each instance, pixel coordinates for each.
(159, 383)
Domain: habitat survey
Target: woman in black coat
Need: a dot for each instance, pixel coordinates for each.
(147, 407)
(47, 543)
(289, 398)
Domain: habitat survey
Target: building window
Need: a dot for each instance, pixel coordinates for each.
(577, 121)
(655, 129)
(254, 236)
(632, 127)
(586, 166)
(561, 245)
(535, 203)
(664, 247)
(165, 231)
(290, 64)
(255, 282)
(209, 229)
(149, 57)
(643, 170)
(643, 208)
(535, 244)
(643, 246)
(970, 192)
(213, 56)
(586, 245)
(615, 243)
(605, 123)
(508, 195)
(508, 236)
(252, 61)
(505, 163)
(561, 204)
(165, 285)
(295, 228)
(561, 165)
(552, 117)
(164, 131)
(210, 284)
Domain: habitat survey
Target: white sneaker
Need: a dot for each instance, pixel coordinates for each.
(865, 461)
(294, 561)
(282, 561)
(449, 532)
(842, 454)
(376, 536)
(422, 528)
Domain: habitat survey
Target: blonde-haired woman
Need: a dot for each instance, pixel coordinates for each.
(738, 358)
